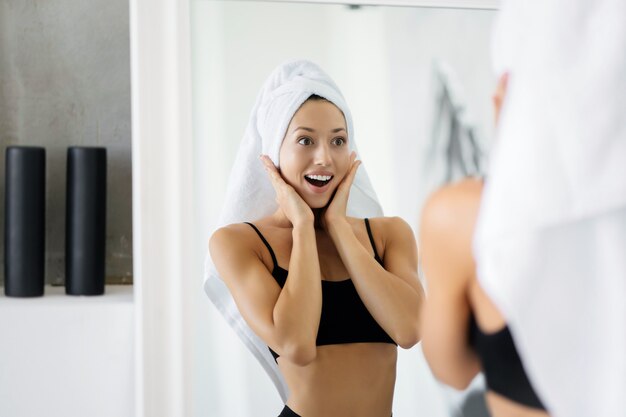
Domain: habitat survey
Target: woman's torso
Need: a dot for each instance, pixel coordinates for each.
(345, 379)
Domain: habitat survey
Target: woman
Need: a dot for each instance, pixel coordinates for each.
(331, 295)
(463, 331)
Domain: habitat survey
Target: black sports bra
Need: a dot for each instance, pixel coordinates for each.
(502, 366)
(345, 319)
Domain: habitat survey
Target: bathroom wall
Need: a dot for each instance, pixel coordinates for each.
(65, 81)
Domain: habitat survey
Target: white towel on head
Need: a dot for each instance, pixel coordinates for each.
(551, 234)
(250, 195)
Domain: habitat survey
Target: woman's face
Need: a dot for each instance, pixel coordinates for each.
(314, 156)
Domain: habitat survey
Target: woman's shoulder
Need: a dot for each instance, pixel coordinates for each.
(235, 236)
(385, 226)
(447, 227)
(243, 235)
(236, 243)
(466, 190)
(453, 204)
(388, 222)
(231, 235)
(231, 230)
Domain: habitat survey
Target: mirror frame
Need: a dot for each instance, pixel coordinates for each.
(163, 201)
(455, 4)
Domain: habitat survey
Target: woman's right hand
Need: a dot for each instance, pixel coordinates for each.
(295, 208)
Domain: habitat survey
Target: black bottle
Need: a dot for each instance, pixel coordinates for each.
(85, 221)
(24, 221)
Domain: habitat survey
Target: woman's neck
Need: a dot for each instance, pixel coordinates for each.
(282, 221)
(318, 215)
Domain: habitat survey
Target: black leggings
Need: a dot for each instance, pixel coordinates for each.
(288, 412)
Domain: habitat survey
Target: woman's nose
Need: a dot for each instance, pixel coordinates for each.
(322, 155)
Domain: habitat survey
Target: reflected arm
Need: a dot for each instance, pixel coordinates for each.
(445, 238)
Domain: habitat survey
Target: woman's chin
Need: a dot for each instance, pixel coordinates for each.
(317, 201)
(316, 205)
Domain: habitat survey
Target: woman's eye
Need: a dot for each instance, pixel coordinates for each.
(305, 141)
(339, 141)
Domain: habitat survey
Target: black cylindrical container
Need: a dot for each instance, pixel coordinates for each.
(85, 221)
(24, 221)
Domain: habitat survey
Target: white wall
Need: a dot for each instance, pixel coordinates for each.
(381, 58)
(418, 38)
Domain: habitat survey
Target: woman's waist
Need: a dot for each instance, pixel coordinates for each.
(358, 375)
(345, 359)
(344, 397)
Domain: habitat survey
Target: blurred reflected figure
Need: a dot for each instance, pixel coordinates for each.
(551, 231)
(463, 330)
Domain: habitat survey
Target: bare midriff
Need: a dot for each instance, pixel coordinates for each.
(346, 380)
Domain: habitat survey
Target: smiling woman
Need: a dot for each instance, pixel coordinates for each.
(332, 339)
(322, 147)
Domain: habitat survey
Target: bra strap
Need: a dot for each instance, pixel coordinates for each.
(265, 242)
(369, 233)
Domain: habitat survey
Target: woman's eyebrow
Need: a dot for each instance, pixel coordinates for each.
(308, 129)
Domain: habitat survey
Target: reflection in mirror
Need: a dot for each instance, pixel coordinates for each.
(418, 82)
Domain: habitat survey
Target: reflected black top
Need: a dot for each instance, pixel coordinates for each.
(502, 365)
(345, 319)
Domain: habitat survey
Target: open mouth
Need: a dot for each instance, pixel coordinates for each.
(318, 180)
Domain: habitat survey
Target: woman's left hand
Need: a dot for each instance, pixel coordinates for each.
(336, 210)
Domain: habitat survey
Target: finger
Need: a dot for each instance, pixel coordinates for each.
(353, 171)
(267, 162)
(272, 171)
(346, 183)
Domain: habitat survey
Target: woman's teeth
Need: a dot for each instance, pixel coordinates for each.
(318, 180)
(319, 177)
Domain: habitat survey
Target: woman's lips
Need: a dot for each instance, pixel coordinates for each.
(318, 190)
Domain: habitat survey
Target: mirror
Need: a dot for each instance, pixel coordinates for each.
(419, 84)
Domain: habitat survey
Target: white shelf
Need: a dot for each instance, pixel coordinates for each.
(54, 296)
(67, 356)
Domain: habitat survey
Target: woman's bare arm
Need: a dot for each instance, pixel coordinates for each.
(393, 293)
(446, 233)
(288, 319)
